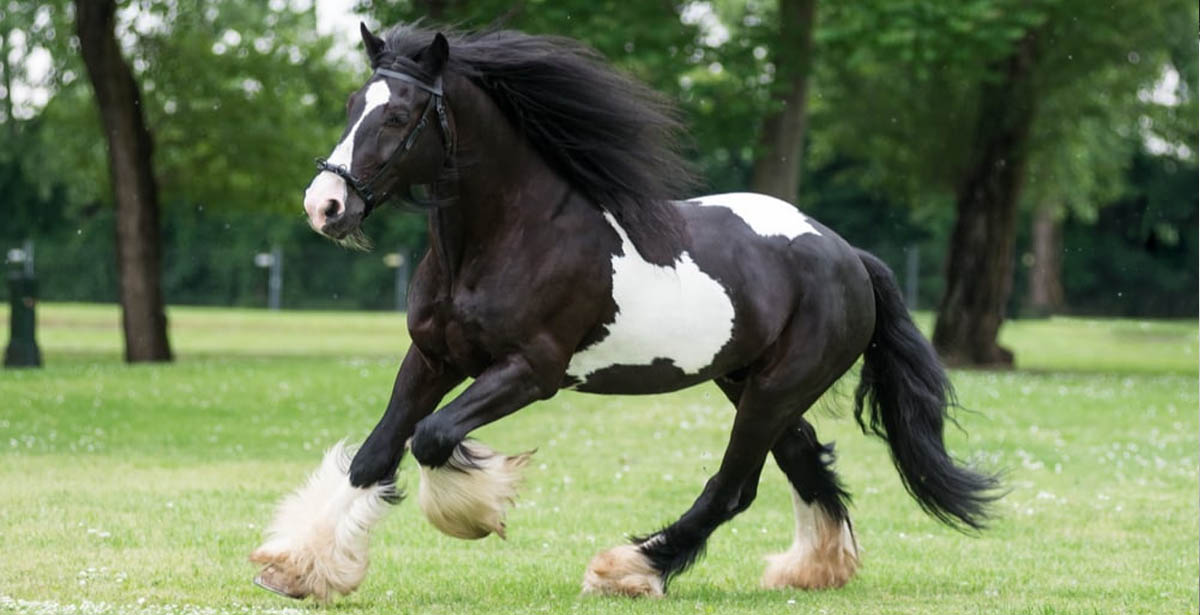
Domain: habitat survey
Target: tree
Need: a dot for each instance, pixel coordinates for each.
(222, 105)
(1046, 294)
(980, 259)
(949, 102)
(135, 192)
(781, 137)
(1073, 47)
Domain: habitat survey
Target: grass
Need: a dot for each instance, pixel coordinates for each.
(142, 489)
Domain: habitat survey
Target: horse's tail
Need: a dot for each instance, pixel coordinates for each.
(907, 393)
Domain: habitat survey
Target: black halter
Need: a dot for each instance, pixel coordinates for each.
(365, 189)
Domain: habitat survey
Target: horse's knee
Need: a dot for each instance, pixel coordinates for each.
(372, 465)
(433, 441)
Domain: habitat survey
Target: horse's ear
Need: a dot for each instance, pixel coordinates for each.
(372, 43)
(433, 58)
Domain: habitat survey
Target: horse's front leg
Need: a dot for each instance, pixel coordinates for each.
(317, 543)
(465, 486)
(420, 385)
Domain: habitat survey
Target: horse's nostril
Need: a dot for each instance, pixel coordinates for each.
(332, 209)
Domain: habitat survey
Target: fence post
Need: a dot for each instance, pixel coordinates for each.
(273, 262)
(397, 261)
(22, 349)
(275, 282)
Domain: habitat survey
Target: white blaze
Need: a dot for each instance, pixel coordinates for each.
(677, 313)
(328, 186)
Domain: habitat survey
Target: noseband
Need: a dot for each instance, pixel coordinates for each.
(366, 189)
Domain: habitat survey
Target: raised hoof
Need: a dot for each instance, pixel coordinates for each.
(622, 571)
(275, 580)
(469, 496)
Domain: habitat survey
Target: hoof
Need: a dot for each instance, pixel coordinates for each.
(469, 496)
(275, 580)
(317, 544)
(827, 563)
(622, 571)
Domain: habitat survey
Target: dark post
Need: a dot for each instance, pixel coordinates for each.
(22, 350)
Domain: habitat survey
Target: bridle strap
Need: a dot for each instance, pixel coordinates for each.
(436, 103)
(435, 89)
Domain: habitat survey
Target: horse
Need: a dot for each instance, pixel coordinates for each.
(560, 259)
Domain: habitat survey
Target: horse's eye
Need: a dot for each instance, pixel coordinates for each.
(396, 119)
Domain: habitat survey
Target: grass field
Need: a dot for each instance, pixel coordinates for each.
(142, 489)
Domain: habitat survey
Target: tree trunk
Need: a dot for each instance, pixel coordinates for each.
(781, 143)
(129, 155)
(979, 265)
(6, 69)
(1046, 294)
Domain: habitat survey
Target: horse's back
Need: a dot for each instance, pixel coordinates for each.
(777, 263)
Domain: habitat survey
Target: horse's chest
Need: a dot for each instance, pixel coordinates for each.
(672, 319)
(451, 330)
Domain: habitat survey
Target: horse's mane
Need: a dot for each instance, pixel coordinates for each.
(612, 138)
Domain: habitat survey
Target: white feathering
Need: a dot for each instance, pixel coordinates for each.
(468, 496)
(823, 555)
(321, 532)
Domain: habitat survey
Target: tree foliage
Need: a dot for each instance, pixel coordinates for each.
(899, 84)
(241, 95)
(238, 96)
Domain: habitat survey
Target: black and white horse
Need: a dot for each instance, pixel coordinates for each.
(559, 261)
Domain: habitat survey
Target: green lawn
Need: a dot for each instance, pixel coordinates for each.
(143, 489)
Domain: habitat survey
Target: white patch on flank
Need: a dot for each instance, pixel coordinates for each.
(677, 313)
(765, 215)
(328, 186)
(468, 496)
(824, 553)
(320, 533)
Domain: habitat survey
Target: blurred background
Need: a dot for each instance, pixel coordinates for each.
(1008, 158)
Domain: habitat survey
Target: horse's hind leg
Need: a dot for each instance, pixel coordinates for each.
(824, 553)
(644, 567)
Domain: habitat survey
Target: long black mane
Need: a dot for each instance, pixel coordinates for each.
(612, 138)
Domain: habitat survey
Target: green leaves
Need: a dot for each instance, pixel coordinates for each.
(897, 86)
(239, 98)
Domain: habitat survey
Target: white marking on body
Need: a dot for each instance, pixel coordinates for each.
(824, 553)
(677, 313)
(317, 543)
(327, 186)
(765, 215)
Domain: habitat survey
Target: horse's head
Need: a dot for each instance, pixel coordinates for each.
(391, 141)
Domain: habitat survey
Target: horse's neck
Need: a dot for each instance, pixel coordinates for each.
(503, 183)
